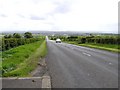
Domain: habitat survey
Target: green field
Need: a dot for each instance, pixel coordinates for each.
(113, 48)
(20, 61)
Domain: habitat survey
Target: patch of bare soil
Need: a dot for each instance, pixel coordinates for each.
(40, 70)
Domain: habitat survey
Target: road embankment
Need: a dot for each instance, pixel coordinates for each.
(24, 59)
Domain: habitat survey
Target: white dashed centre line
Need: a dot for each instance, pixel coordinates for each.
(110, 63)
(86, 54)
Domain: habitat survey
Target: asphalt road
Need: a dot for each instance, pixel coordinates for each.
(72, 66)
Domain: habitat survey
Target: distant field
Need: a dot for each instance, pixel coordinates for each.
(20, 61)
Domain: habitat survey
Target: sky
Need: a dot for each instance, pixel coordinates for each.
(59, 15)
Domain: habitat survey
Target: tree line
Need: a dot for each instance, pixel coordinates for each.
(17, 35)
(14, 40)
(103, 39)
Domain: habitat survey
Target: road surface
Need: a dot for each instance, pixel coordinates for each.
(72, 66)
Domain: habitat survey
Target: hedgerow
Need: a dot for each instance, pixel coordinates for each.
(90, 39)
(14, 42)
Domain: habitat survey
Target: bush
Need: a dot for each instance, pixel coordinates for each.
(16, 35)
(28, 35)
(14, 42)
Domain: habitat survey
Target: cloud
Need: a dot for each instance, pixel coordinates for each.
(49, 23)
(95, 15)
(33, 17)
(15, 23)
(62, 8)
(21, 16)
(3, 15)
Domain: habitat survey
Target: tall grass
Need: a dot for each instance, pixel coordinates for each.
(21, 60)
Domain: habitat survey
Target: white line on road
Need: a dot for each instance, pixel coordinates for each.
(110, 63)
(86, 54)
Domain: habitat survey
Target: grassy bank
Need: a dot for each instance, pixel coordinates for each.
(20, 61)
(108, 47)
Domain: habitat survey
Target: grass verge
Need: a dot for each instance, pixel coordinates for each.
(22, 60)
(108, 47)
(111, 48)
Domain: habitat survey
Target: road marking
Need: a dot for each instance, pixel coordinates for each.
(110, 63)
(86, 54)
(46, 82)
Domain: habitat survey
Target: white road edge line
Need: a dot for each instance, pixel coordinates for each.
(46, 82)
(86, 54)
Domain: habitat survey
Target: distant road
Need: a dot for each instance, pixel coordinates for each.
(72, 66)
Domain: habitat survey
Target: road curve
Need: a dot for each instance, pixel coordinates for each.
(72, 66)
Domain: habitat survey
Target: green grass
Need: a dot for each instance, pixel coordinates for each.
(108, 47)
(20, 61)
(0, 64)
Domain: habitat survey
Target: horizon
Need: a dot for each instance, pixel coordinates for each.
(46, 31)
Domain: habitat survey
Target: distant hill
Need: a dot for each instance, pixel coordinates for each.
(57, 33)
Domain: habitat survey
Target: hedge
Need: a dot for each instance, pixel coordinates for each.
(14, 42)
(115, 39)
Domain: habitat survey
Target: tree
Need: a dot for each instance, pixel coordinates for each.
(5, 36)
(28, 35)
(9, 36)
(83, 40)
(16, 35)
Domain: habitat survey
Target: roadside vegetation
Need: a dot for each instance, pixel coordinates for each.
(12, 41)
(105, 42)
(21, 59)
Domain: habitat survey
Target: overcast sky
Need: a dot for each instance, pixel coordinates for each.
(59, 15)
